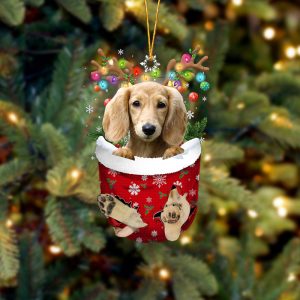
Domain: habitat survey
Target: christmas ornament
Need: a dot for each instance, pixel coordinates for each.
(185, 58)
(103, 84)
(137, 71)
(113, 79)
(177, 83)
(193, 97)
(200, 77)
(188, 75)
(95, 76)
(204, 86)
(155, 73)
(122, 63)
(150, 64)
(97, 88)
(106, 101)
(172, 75)
(137, 196)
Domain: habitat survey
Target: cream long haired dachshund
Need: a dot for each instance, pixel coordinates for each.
(154, 114)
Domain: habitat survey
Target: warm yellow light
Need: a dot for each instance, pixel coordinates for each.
(282, 212)
(111, 62)
(267, 168)
(207, 157)
(259, 232)
(222, 211)
(164, 274)
(273, 116)
(252, 214)
(104, 70)
(298, 50)
(209, 25)
(269, 33)
(54, 249)
(184, 240)
(278, 66)
(237, 2)
(278, 201)
(131, 3)
(290, 52)
(241, 105)
(12, 117)
(292, 277)
(9, 223)
(75, 173)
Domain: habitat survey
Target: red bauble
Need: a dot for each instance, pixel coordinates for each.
(106, 101)
(181, 89)
(118, 145)
(137, 71)
(96, 88)
(193, 97)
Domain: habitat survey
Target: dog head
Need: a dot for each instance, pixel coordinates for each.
(151, 109)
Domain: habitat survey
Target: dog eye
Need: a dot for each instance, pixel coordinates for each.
(136, 103)
(161, 105)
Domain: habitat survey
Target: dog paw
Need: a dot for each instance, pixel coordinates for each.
(106, 204)
(170, 214)
(172, 151)
(124, 152)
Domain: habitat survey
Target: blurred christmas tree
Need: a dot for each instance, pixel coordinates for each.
(54, 244)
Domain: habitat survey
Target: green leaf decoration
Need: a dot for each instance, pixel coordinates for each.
(161, 195)
(148, 208)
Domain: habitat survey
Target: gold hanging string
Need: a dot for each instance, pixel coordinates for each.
(151, 43)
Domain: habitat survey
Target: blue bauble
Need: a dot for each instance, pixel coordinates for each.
(103, 84)
(172, 75)
(200, 77)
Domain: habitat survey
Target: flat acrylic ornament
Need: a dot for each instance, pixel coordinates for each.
(147, 185)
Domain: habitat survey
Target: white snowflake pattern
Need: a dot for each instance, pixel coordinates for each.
(144, 177)
(113, 173)
(202, 139)
(120, 51)
(178, 183)
(98, 129)
(92, 157)
(190, 114)
(134, 189)
(197, 177)
(149, 199)
(139, 240)
(192, 192)
(155, 63)
(154, 233)
(135, 204)
(159, 180)
(204, 99)
(89, 109)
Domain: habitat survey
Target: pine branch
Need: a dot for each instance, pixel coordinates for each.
(94, 292)
(9, 263)
(12, 12)
(148, 290)
(12, 171)
(112, 14)
(195, 130)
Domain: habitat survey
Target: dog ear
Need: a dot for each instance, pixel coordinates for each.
(116, 116)
(176, 120)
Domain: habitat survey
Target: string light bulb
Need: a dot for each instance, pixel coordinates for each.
(278, 201)
(292, 277)
(12, 117)
(298, 50)
(207, 157)
(252, 214)
(290, 52)
(273, 116)
(269, 33)
(259, 232)
(54, 249)
(222, 211)
(278, 65)
(241, 105)
(164, 274)
(9, 223)
(237, 2)
(185, 239)
(282, 212)
(75, 173)
(130, 3)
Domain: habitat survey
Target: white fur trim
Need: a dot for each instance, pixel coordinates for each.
(147, 166)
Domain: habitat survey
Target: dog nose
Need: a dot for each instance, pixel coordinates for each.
(148, 129)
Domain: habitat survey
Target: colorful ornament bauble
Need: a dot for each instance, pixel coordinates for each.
(172, 75)
(104, 70)
(200, 77)
(193, 97)
(95, 76)
(137, 71)
(103, 84)
(122, 63)
(155, 73)
(97, 88)
(106, 101)
(177, 83)
(187, 75)
(204, 86)
(181, 89)
(186, 58)
(179, 67)
(113, 79)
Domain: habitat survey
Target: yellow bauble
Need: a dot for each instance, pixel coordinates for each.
(179, 67)
(104, 70)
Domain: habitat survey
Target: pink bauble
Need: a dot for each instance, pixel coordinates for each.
(95, 76)
(186, 58)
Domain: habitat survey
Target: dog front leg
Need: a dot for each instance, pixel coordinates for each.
(124, 152)
(172, 151)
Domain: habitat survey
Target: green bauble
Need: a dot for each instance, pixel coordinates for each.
(204, 86)
(187, 75)
(155, 73)
(122, 63)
